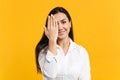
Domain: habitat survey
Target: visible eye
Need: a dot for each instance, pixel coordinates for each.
(63, 22)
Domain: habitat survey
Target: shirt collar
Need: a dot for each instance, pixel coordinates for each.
(72, 45)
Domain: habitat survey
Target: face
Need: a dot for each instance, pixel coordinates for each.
(64, 25)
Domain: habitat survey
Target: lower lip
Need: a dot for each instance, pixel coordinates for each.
(61, 33)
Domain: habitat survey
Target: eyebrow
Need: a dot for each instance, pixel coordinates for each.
(62, 19)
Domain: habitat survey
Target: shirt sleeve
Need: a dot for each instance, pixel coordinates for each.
(49, 65)
(51, 57)
(85, 70)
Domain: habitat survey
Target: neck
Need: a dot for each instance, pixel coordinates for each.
(63, 42)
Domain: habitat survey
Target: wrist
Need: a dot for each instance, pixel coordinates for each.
(52, 46)
(53, 41)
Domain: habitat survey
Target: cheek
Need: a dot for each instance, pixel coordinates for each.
(67, 28)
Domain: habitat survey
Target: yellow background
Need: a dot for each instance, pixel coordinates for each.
(96, 25)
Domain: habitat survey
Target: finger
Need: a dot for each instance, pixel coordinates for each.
(56, 27)
(48, 23)
(46, 31)
(51, 21)
(56, 24)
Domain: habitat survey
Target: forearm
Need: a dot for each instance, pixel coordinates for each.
(51, 65)
(50, 69)
(52, 46)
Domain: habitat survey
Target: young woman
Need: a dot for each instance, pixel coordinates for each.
(58, 57)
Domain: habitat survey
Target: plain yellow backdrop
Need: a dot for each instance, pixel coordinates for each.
(96, 25)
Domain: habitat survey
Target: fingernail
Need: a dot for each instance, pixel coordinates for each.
(51, 14)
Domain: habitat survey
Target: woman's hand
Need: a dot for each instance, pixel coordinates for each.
(51, 31)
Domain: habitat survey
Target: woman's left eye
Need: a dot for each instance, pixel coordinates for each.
(63, 22)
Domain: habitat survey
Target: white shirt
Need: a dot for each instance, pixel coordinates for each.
(72, 66)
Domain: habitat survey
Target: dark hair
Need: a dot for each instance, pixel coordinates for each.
(44, 40)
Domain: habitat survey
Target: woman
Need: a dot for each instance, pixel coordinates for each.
(57, 56)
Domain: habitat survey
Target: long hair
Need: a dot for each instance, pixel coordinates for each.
(44, 40)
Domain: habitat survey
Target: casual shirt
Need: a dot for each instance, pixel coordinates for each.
(72, 66)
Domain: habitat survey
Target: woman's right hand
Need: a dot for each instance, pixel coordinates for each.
(51, 31)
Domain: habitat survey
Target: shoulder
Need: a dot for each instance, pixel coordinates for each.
(82, 53)
(80, 49)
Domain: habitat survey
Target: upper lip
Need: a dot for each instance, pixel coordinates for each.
(61, 31)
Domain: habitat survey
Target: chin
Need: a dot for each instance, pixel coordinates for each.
(62, 37)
